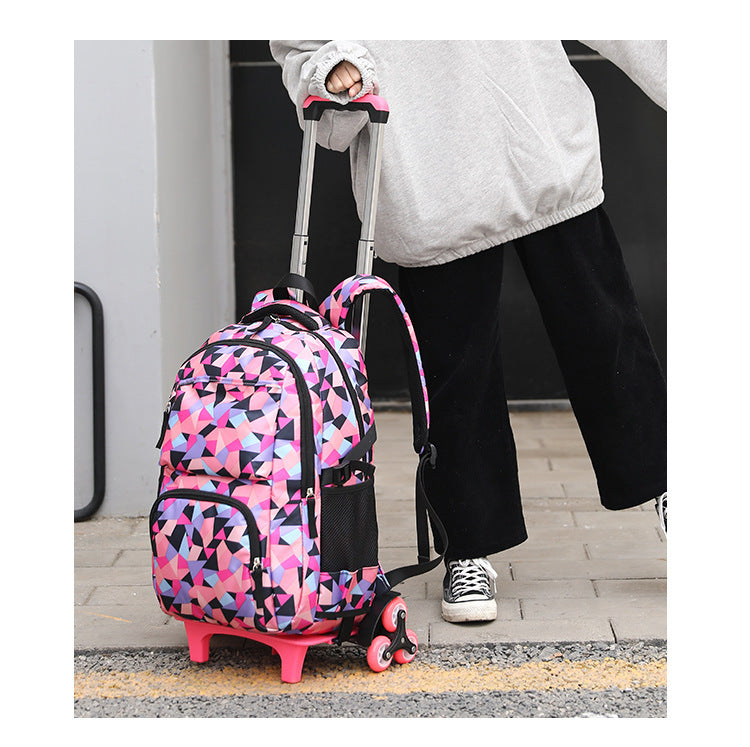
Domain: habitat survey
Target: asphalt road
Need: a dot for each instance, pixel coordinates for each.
(595, 680)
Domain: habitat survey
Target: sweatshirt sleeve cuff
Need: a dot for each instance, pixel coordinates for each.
(329, 61)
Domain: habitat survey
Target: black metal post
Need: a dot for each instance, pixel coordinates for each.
(97, 356)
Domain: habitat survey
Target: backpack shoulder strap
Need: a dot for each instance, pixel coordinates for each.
(336, 308)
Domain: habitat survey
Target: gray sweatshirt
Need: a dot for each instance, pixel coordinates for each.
(486, 141)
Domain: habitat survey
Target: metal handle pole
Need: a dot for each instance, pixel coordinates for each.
(299, 240)
(366, 245)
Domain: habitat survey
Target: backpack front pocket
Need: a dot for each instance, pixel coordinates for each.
(207, 562)
(222, 426)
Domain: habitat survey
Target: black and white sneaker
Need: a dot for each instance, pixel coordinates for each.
(661, 510)
(469, 591)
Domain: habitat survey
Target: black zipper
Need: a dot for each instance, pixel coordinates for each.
(308, 434)
(256, 569)
(347, 381)
(342, 368)
(352, 397)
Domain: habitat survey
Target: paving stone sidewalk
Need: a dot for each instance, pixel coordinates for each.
(584, 574)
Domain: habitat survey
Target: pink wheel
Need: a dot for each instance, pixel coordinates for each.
(402, 656)
(375, 654)
(389, 618)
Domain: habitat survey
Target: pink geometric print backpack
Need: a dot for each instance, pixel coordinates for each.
(265, 514)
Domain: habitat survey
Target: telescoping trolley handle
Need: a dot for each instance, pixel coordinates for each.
(313, 108)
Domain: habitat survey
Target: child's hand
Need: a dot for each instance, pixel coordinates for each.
(344, 76)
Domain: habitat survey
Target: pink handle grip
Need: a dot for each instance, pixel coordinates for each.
(375, 106)
(378, 102)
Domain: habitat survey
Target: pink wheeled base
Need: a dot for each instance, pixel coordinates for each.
(383, 632)
(291, 649)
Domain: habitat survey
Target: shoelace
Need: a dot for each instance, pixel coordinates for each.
(471, 576)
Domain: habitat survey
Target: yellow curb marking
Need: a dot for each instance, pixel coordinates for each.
(109, 617)
(227, 681)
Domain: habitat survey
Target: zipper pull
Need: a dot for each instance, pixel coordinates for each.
(267, 320)
(257, 573)
(310, 503)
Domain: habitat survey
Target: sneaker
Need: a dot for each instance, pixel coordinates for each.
(469, 591)
(661, 510)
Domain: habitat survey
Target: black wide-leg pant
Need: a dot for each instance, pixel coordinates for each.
(613, 379)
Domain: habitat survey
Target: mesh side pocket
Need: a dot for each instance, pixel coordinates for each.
(348, 527)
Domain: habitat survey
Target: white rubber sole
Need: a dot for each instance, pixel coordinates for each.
(660, 512)
(478, 611)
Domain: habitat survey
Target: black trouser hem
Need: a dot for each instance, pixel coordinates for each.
(614, 501)
(483, 551)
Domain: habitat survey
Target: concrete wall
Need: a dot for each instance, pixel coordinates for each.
(152, 237)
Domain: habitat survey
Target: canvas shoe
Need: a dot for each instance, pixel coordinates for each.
(661, 510)
(469, 591)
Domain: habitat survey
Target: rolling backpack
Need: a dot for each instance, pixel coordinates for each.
(265, 520)
(264, 524)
